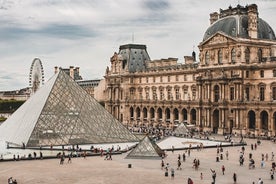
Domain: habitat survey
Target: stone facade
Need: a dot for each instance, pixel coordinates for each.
(231, 88)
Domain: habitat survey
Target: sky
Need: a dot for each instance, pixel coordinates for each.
(86, 33)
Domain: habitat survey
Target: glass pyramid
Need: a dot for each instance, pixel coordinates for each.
(181, 130)
(146, 149)
(62, 113)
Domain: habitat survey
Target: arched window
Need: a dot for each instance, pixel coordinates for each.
(260, 55)
(131, 112)
(138, 113)
(247, 55)
(216, 93)
(168, 115)
(262, 93)
(233, 56)
(207, 58)
(219, 57)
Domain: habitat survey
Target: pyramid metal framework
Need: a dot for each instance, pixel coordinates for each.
(181, 130)
(62, 113)
(146, 149)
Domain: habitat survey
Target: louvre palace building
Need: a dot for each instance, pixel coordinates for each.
(231, 88)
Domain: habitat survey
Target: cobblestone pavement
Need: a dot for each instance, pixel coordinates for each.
(96, 170)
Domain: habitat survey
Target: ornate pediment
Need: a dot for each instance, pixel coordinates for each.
(218, 38)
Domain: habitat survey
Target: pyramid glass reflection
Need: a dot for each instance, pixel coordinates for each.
(62, 113)
(146, 149)
(181, 130)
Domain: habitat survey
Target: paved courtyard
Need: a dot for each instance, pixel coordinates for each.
(96, 170)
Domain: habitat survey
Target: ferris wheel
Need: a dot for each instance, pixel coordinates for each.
(36, 77)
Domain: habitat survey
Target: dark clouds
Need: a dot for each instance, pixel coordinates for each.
(51, 30)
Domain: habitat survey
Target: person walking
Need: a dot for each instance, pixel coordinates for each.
(190, 181)
(222, 169)
(227, 154)
(260, 181)
(179, 165)
(271, 174)
(235, 178)
(214, 175)
(172, 173)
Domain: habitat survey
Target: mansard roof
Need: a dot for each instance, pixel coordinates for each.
(134, 56)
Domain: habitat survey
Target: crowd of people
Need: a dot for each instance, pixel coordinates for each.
(266, 159)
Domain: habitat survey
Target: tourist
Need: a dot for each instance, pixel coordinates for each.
(172, 173)
(272, 156)
(69, 159)
(214, 175)
(271, 174)
(10, 181)
(222, 169)
(235, 177)
(184, 157)
(266, 157)
(262, 163)
(179, 164)
(61, 160)
(227, 154)
(201, 176)
(260, 181)
(162, 164)
(190, 181)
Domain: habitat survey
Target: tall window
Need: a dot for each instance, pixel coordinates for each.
(161, 94)
(216, 93)
(262, 93)
(154, 95)
(169, 94)
(273, 93)
(247, 93)
(260, 55)
(141, 94)
(274, 73)
(185, 77)
(207, 58)
(177, 94)
(147, 93)
(132, 93)
(247, 74)
(194, 93)
(176, 78)
(161, 79)
(247, 55)
(233, 56)
(262, 74)
(185, 93)
(169, 78)
(153, 79)
(219, 57)
(232, 93)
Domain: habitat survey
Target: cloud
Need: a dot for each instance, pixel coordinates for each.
(86, 33)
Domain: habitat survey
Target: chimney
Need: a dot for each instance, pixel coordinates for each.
(252, 21)
(56, 69)
(71, 71)
(213, 17)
